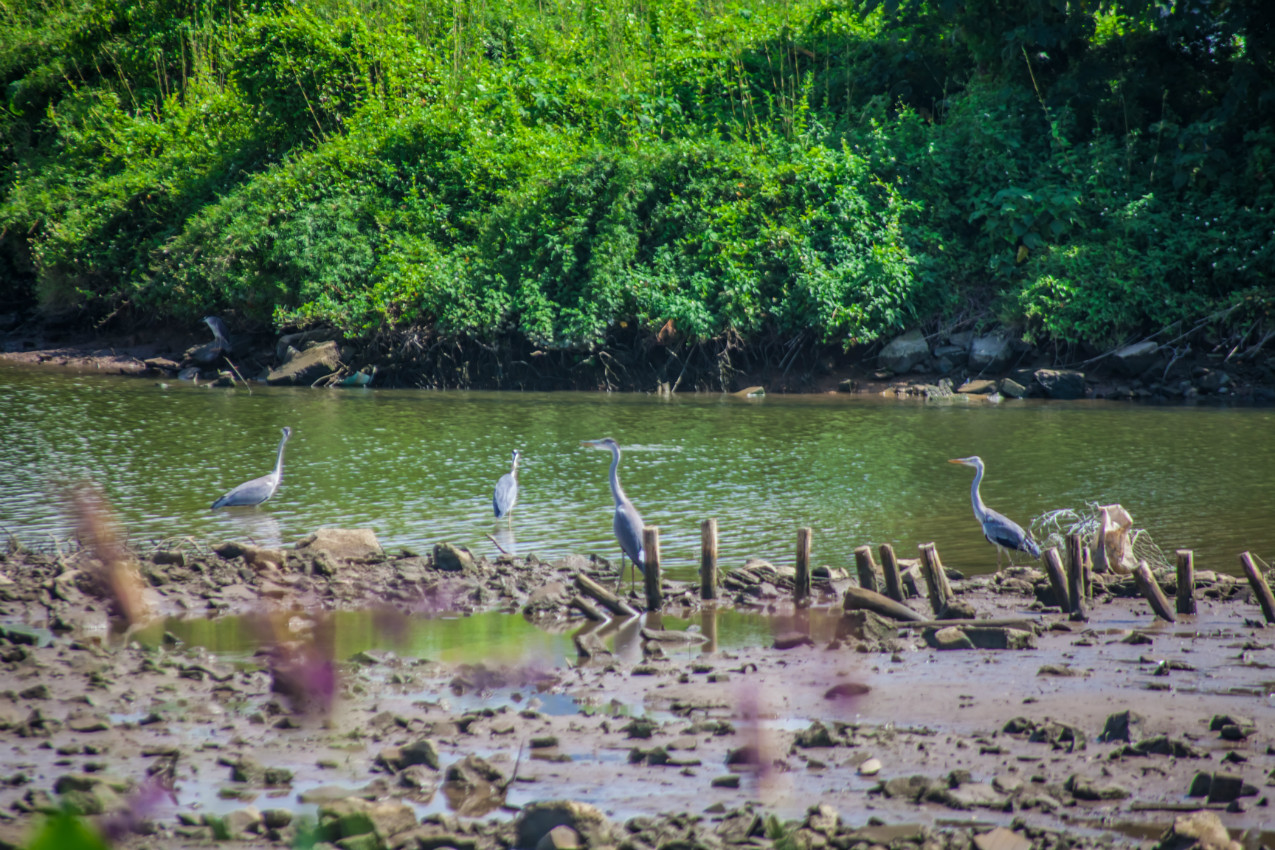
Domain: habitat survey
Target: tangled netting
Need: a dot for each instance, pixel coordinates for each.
(1053, 527)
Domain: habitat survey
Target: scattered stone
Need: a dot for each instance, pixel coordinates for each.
(1011, 388)
(791, 640)
(1001, 838)
(1199, 831)
(866, 625)
(342, 544)
(978, 386)
(950, 637)
(903, 352)
(730, 780)
(559, 838)
(355, 816)
(451, 558)
(990, 353)
(1124, 726)
(422, 752)
(870, 767)
(305, 367)
(537, 820)
(1083, 788)
(1162, 745)
(1061, 384)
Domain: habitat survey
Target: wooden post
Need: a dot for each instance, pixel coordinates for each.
(1260, 588)
(890, 567)
(935, 578)
(1086, 571)
(857, 599)
(866, 568)
(586, 609)
(1186, 581)
(708, 559)
(605, 598)
(1057, 579)
(1151, 590)
(801, 587)
(1076, 579)
(651, 577)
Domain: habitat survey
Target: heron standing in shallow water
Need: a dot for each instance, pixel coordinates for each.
(257, 490)
(628, 522)
(1001, 531)
(506, 495)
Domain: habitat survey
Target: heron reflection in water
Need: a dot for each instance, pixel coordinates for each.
(627, 522)
(1001, 531)
(257, 490)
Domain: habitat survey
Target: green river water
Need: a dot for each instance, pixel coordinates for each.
(419, 467)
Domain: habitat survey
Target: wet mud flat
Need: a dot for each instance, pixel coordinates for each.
(841, 730)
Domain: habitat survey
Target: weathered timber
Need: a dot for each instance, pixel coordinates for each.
(932, 568)
(866, 569)
(1261, 589)
(1076, 579)
(1025, 623)
(1186, 581)
(651, 578)
(708, 559)
(890, 569)
(604, 597)
(1151, 590)
(586, 609)
(801, 587)
(1057, 579)
(856, 598)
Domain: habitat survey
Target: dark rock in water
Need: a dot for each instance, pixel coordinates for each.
(994, 637)
(537, 820)
(1125, 726)
(420, 752)
(846, 690)
(1013, 389)
(903, 352)
(911, 788)
(979, 386)
(303, 368)
(354, 816)
(1211, 380)
(1061, 383)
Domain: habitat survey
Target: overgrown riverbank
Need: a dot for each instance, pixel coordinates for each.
(492, 183)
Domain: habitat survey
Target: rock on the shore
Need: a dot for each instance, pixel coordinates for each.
(1061, 383)
(306, 367)
(452, 558)
(990, 353)
(1133, 360)
(904, 352)
(1201, 830)
(342, 544)
(538, 819)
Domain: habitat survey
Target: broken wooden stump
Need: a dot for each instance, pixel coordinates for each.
(856, 598)
(1261, 589)
(1151, 590)
(866, 569)
(801, 585)
(1057, 579)
(890, 569)
(1186, 581)
(708, 559)
(651, 578)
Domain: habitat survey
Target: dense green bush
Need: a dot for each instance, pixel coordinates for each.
(772, 171)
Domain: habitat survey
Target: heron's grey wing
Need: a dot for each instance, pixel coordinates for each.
(1003, 531)
(252, 492)
(628, 530)
(502, 501)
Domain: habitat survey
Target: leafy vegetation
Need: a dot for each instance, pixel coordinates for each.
(553, 172)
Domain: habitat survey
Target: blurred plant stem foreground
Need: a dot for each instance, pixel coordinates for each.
(575, 177)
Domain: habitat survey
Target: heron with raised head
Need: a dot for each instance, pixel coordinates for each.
(220, 335)
(257, 490)
(506, 495)
(627, 523)
(1001, 531)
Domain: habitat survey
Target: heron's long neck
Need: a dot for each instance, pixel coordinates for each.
(616, 491)
(514, 469)
(278, 464)
(980, 509)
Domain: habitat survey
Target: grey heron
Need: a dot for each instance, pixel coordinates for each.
(257, 490)
(627, 523)
(506, 495)
(1001, 531)
(218, 328)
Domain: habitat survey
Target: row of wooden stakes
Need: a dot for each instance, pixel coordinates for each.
(1072, 585)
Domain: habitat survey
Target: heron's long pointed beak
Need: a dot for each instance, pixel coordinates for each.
(957, 460)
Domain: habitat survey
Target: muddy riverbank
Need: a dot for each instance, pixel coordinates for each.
(847, 730)
(933, 365)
